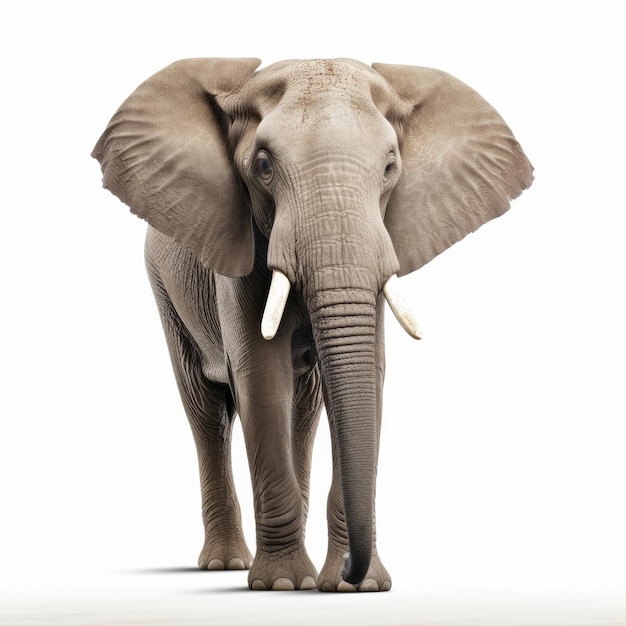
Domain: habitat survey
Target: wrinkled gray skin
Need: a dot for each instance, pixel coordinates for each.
(339, 175)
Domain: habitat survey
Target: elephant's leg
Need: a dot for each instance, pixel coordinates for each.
(224, 543)
(377, 577)
(209, 408)
(306, 414)
(265, 405)
(263, 387)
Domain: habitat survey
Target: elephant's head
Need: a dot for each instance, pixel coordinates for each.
(353, 174)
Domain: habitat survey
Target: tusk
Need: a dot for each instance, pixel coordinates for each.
(400, 308)
(276, 300)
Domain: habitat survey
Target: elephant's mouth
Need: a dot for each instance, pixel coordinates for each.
(279, 292)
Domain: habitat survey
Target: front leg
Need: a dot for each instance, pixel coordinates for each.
(262, 379)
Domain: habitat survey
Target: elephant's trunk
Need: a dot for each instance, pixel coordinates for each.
(344, 324)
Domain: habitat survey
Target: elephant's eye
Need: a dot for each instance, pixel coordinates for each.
(263, 165)
(390, 167)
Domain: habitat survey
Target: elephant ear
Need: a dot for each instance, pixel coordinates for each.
(461, 164)
(164, 154)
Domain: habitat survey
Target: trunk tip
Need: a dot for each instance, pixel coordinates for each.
(354, 573)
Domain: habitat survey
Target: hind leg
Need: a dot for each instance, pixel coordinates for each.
(307, 407)
(224, 543)
(209, 408)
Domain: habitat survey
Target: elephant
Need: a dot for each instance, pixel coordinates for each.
(282, 204)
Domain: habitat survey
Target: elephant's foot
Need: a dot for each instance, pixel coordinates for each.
(220, 555)
(376, 579)
(278, 571)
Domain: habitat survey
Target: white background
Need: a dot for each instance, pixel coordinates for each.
(502, 463)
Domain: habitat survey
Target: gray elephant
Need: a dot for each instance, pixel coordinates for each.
(309, 186)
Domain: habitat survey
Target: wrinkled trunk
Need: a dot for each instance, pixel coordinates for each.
(344, 323)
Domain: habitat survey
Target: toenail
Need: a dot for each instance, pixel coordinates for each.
(369, 584)
(308, 583)
(283, 584)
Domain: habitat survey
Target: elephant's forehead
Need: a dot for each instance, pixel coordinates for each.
(326, 89)
(337, 73)
(325, 101)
